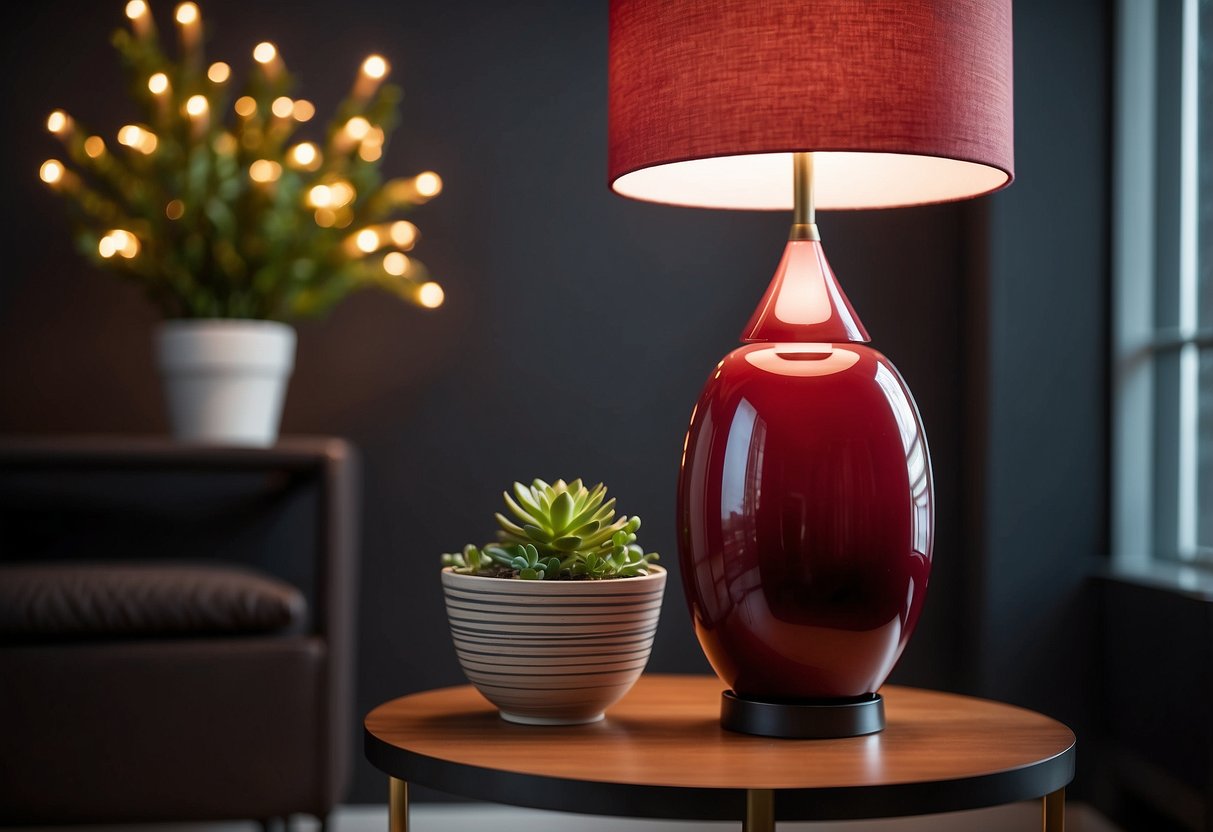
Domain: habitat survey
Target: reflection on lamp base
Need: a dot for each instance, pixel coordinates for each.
(803, 720)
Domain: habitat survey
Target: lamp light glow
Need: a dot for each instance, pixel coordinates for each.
(218, 72)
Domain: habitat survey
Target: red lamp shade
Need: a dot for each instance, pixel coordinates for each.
(903, 102)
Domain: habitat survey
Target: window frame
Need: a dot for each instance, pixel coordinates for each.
(1154, 489)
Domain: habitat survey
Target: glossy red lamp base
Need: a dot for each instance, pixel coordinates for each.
(805, 506)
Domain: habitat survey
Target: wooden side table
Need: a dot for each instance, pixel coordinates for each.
(661, 753)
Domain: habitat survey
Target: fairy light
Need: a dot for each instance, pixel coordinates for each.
(370, 152)
(320, 196)
(126, 243)
(136, 9)
(130, 135)
(158, 84)
(367, 240)
(395, 263)
(357, 128)
(94, 146)
(218, 72)
(431, 295)
(304, 110)
(428, 184)
(265, 52)
(120, 242)
(196, 105)
(175, 209)
(245, 106)
(374, 67)
(51, 171)
(325, 217)
(305, 155)
(403, 234)
(342, 193)
(57, 122)
(264, 170)
(283, 107)
(187, 14)
(137, 138)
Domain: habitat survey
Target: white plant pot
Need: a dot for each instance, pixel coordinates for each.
(225, 380)
(553, 652)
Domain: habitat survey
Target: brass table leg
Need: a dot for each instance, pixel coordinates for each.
(398, 806)
(1054, 811)
(760, 811)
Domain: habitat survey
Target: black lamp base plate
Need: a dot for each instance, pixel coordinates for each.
(802, 720)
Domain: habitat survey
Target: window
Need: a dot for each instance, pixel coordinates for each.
(1162, 423)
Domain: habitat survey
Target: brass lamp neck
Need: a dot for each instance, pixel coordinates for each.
(804, 217)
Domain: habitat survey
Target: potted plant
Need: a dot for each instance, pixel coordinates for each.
(231, 224)
(553, 622)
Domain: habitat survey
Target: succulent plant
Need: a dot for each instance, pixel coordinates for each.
(562, 531)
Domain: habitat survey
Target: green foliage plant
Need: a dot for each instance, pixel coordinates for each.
(562, 531)
(212, 203)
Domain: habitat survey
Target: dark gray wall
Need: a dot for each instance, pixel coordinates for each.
(1043, 492)
(579, 326)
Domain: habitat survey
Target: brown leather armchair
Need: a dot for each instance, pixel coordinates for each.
(176, 630)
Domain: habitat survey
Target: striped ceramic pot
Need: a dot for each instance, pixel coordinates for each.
(553, 652)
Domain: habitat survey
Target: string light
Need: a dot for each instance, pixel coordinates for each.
(395, 263)
(320, 196)
(120, 242)
(51, 171)
(196, 105)
(264, 52)
(137, 138)
(57, 122)
(304, 110)
(431, 295)
(158, 84)
(370, 152)
(375, 67)
(218, 72)
(325, 217)
(94, 146)
(403, 234)
(245, 106)
(428, 184)
(367, 240)
(342, 194)
(282, 107)
(305, 155)
(175, 209)
(264, 170)
(136, 9)
(187, 13)
(357, 128)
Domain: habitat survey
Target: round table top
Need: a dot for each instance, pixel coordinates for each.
(661, 752)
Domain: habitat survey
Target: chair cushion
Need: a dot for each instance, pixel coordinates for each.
(91, 600)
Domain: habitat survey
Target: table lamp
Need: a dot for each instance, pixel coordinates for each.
(805, 507)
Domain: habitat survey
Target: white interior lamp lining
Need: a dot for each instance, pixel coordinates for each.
(763, 181)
